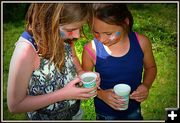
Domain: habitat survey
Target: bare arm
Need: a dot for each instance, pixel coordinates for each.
(150, 71)
(19, 75)
(87, 60)
(21, 68)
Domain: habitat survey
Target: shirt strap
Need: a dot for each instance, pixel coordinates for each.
(90, 52)
(27, 36)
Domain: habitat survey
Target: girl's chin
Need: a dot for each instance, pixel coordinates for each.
(109, 44)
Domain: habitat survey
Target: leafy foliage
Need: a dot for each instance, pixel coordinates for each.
(13, 12)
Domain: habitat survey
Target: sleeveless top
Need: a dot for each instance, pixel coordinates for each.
(115, 70)
(47, 79)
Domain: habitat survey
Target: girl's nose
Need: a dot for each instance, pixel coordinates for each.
(102, 38)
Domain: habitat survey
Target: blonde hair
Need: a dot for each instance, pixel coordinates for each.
(43, 20)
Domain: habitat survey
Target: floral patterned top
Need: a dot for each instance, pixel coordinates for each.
(47, 79)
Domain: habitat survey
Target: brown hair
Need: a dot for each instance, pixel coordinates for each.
(43, 20)
(114, 14)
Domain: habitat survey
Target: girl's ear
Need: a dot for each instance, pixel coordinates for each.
(126, 24)
(126, 21)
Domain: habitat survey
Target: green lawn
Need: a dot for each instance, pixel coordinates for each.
(159, 23)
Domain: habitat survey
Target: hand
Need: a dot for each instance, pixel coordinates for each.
(73, 92)
(110, 98)
(140, 94)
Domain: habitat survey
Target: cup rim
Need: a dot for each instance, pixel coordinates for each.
(91, 74)
(88, 73)
(122, 84)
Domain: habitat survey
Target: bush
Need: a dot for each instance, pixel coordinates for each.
(14, 11)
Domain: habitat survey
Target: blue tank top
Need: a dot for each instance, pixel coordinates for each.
(114, 70)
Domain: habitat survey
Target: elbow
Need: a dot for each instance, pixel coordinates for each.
(12, 109)
(14, 105)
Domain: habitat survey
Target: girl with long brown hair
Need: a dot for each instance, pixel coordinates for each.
(44, 67)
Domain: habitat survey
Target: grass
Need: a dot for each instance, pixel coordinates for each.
(163, 93)
(158, 22)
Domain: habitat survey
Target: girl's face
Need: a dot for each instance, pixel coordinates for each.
(71, 31)
(106, 33)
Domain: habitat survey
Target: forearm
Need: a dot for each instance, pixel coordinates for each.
(31, 103)
(149, 76)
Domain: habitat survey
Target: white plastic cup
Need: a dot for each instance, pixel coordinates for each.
(124, 91)
(89, 80)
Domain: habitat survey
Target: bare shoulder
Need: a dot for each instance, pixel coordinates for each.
(89, 44)
(144, 41)
(24, 52)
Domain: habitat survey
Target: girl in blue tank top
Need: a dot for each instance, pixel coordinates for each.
(119, 55)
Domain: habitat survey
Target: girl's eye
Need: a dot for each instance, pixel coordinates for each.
(69, 30)
(108, 33)
(96, 32)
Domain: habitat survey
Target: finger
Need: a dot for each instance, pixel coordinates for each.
(98, 75)
(116, 106)
(135, 93)
(98, 87)
(138, 96)
(113, 104)
(87, 90)
(134, 97)
(88, 95)
(115, 96)
(140, 100)
(98, 81)
(131, 97)
(84, 98)
(112, 107)
(117, 101)
(75, 81)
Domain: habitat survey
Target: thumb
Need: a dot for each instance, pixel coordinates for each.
(75, 81)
